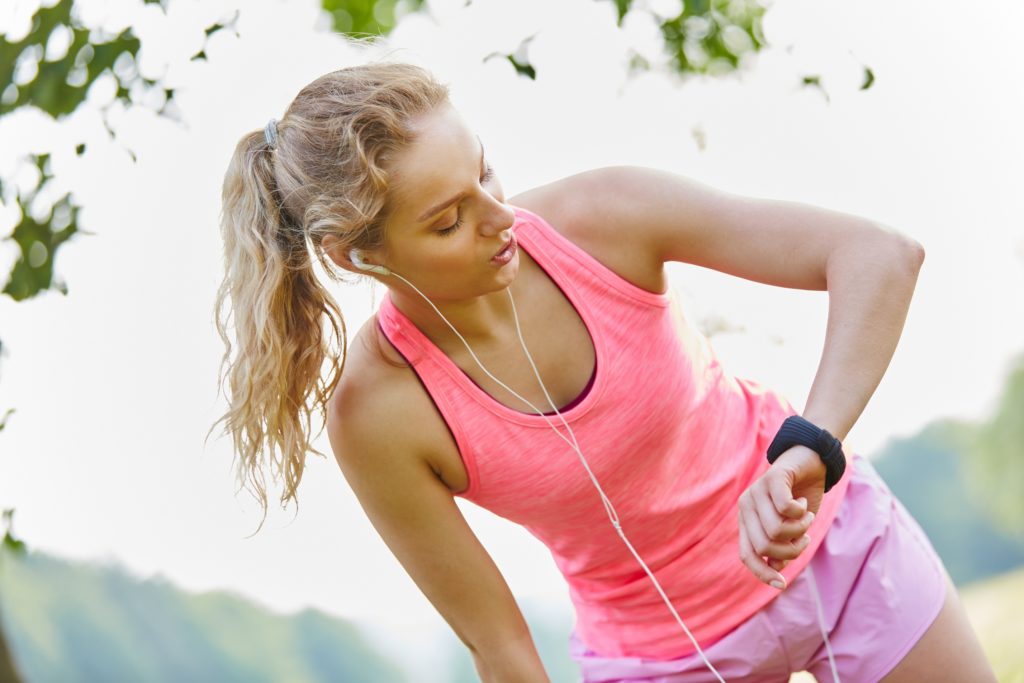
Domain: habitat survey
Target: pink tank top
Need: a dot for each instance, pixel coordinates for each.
(671, 436)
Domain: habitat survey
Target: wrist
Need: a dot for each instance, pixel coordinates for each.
(809, 459)
(799, 431)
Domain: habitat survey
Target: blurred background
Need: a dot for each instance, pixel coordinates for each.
(127, 552)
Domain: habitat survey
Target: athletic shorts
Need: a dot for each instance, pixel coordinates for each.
(881, 585)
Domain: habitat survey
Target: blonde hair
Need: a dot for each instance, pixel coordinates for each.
(327, 174)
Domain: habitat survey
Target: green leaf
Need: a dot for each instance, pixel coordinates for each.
(522, 68)
(869, 78)
(622, 8)
(11, 543)
(14, 545)
(38, 241)
(367, 18)
(814, 81)
(3, 421)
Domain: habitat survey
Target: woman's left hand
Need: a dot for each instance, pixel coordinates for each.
(776, 511)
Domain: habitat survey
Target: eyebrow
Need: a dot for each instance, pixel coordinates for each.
(445, 204)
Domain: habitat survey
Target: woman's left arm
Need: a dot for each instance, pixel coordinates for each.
(869, 295)
(869, 270)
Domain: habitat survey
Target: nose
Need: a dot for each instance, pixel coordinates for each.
(500, 218)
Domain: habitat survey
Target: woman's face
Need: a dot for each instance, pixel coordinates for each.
(448, 216)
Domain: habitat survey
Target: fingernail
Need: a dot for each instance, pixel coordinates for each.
(811, 515)
(777, 584)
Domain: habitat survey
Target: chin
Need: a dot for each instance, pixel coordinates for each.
(510, 271)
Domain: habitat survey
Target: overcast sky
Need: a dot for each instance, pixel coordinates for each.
(114, 385)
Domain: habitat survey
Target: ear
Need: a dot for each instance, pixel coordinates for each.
(335, 252)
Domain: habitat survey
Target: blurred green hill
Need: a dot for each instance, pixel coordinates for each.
(76, 622)
(931, 474)
(72, 622)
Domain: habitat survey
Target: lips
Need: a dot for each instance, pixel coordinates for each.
(508, 245)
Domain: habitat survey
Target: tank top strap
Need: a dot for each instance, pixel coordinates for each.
(570, 266)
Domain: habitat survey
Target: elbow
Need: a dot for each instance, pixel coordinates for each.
(905, 253)
(908, 252)
(914, 255)
(916, 250)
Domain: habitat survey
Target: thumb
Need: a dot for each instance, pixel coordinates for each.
(782, 497)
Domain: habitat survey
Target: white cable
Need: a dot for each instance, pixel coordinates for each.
(612, 515)
(821, 623)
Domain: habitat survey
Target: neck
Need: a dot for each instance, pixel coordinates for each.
(484, 321)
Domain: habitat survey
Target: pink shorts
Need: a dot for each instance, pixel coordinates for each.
(881, 585)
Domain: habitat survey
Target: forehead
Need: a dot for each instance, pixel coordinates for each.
(434, 167)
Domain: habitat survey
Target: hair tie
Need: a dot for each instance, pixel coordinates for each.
(270, 133)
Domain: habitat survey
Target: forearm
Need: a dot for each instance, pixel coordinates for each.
(510, 662)
(870, 285)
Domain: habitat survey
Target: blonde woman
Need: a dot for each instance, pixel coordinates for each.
(529, 357)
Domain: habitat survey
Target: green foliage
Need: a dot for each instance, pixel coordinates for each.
(38, 240)
(11, 544)
(74, 622)
(712, 36)
(996, 457)
(361, 18)
(707, 37)
(869, 78)
(59, 86)
(523, 68)
(3, 420)
(927, 474)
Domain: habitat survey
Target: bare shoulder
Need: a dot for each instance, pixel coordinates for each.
(376, 391)
(590, 209)
(635, 219)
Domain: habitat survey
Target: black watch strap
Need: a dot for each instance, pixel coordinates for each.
(795, 430)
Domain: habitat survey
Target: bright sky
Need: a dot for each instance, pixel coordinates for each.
(114, 385)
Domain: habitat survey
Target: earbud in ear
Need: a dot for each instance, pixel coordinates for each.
(357, 260)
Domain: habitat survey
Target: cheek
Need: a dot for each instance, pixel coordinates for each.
(446, 258)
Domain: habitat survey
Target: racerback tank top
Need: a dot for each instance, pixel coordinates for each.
(671, 436)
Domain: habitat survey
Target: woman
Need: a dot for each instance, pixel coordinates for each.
(373, 171)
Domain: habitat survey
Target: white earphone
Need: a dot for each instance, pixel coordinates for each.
(357, 260)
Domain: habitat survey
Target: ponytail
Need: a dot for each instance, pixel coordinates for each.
(327, 173)
(277, 307)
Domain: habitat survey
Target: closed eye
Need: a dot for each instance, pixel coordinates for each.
(444, 232)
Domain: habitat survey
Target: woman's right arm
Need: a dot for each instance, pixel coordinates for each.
(375, 438)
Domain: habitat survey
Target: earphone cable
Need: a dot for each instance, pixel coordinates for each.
(610, 509)
(613, 516)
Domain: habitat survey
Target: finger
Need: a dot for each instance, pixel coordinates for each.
(782, 498)
(780, 487)
(781, 492)
(777, 565)
(776, 527)
(756, 564)
(764, 546)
